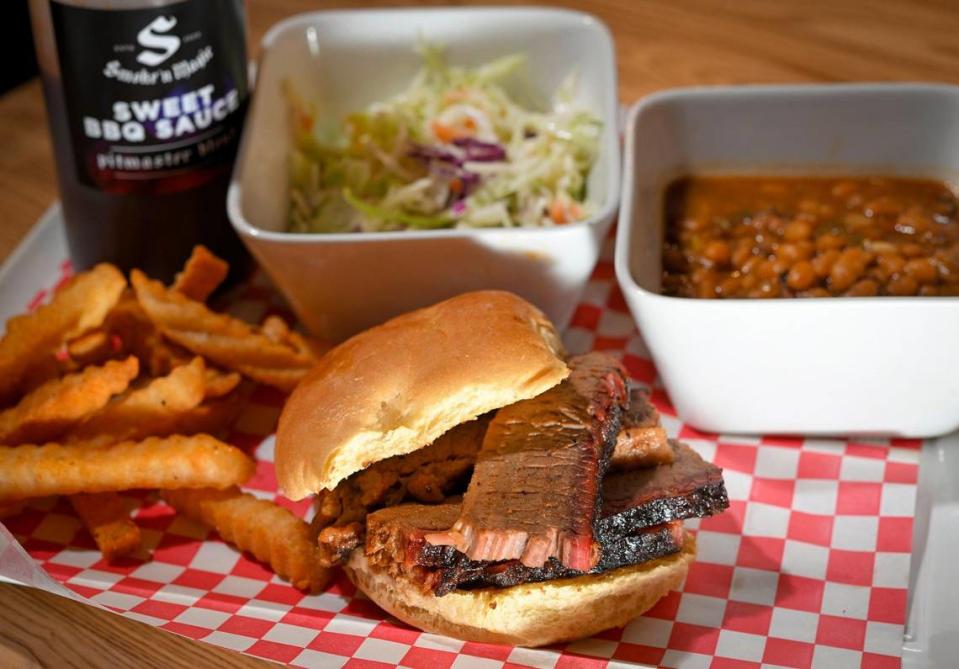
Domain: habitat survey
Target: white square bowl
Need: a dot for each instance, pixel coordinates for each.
(339, 284)
(876, 365)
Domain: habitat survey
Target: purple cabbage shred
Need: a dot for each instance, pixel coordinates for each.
(479, 151)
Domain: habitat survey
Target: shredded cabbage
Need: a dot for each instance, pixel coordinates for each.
(452, 150)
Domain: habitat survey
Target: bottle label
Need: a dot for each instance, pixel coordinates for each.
(155, 97)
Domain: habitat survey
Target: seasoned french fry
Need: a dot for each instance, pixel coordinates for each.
(269, 531)
(152, 410)
(140, 337)
(79, 306)
(58, 405)
(47, 368)
(109, 522)
(223, 339)
(211, 417)
(92, 348)
(201, 275)
(159, 463)
(276, 329)
(219, 383)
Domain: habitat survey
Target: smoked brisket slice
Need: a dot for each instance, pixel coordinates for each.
(435, 473)
(690, 487)
(431, 474)
(642, 441)
(661, 496)
(397, 537)
(535, 489)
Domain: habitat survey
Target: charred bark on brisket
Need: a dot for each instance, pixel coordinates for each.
(664, 495)
(399, 537)
(690, 487)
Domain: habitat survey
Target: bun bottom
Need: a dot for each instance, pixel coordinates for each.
(531, 614)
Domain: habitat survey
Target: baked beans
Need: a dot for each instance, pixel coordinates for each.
(810, 237)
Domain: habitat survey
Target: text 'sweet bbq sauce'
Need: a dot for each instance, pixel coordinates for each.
(146, 100)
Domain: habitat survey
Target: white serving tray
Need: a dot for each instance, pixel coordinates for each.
(932, 624)
(932, 621)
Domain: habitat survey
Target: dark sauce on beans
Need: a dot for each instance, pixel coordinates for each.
(767, 237)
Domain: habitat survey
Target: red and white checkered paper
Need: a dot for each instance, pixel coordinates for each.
(808, 567)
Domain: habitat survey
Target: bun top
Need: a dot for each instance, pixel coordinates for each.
(396, 387)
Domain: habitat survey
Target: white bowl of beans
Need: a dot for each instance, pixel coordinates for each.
(791, 255)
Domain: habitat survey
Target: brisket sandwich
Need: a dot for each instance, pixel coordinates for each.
(474, 482)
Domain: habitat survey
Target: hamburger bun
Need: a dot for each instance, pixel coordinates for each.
(531, 614)
(395, 388)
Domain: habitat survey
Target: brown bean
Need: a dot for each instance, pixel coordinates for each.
(795, 252)
(929, 291)
(742, 252)
(717, 252)
(847, 269)
(701, 274)
(824, 261)
(696, 243)
(751, 265)
(766, 290)
(911, 250)
(914, 221)
(772, 289)
(802, 276)
(829, 241)
(816, 292)
(864, 288)
(797, 230)
(902, 285)
(948, 270)
(729, 287)
(780, 264)
(922, 270)
(891, 264)
(881, 247)
(767, 270)
(884, 205)
(706, 286)
(857, 222)
(762, 244)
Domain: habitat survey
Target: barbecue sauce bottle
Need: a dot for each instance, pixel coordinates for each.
(145, 100)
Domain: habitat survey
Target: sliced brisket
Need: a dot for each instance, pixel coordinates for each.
(690, 487)
(535, 489)
(431, 474)
(641, 441)
(639, 522)
(396, 541)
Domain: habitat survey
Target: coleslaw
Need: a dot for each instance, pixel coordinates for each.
(452, 150)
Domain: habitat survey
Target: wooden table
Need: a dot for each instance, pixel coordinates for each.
(659, 44)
